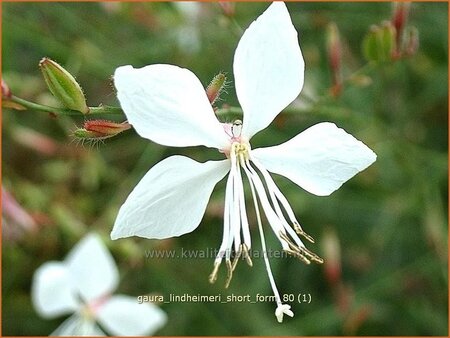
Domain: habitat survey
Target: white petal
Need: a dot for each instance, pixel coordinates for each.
(78, 326)
(124, 316)
(319, 160)
(92, 268)
(168, 105)
(170, 200)
(268, 68)
(52, 292)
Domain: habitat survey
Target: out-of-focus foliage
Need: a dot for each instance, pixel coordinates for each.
(383, 234)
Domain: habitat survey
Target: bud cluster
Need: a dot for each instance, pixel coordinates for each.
(392, 39)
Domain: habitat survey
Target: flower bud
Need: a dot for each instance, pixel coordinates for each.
(334, 51)
(6, 98)
(399, 18)
(379, 43)
(411, 41)
(6, 92)
(333, 46)
(100, 129)
(387, 45)
(63, 86)
(216, 87)
(332, 256)
(228, 8)
(370, 44)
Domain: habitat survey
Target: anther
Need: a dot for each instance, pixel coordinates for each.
(298, 255)
(312, 256)
(298, 229)
(291, 244)
(247, 255)
(213, 276)
(229, 273)
(237, 256)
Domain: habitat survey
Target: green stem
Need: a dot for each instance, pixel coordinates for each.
(64, 111)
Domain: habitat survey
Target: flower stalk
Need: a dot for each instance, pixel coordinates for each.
(25, 104)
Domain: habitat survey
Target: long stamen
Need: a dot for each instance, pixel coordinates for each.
(236, 257)
(301, 251)
(270, 214)
(272, 194)
(229, 273)
(244, 220)
(297, 249)
(283, 200)
(234, 210)
(263, 241)
(272, 188)
(246, 255)
(213, 276)
(225, 246)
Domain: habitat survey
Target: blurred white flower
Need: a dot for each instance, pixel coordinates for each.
(81, 285)
(188, 34)
(168, 105)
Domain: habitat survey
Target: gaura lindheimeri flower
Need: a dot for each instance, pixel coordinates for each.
(168, 105)
(82, 284)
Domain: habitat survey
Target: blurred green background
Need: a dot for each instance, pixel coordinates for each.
(383, 234)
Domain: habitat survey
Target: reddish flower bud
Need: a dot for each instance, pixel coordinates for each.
(228, 8)
(100, 129)
(334, 51)
(332, 257)
(399, 18)
(6, 92)
(216, 87)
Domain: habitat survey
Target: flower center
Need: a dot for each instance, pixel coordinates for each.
(239, 146)
(240, 150)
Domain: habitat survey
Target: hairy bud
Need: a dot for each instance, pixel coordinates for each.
(63, 86)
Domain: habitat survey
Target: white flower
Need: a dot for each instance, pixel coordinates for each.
(168, 105)
(82, 284)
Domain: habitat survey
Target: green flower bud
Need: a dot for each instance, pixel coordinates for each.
(63, 86)
(379, 43)
(387, 41)
(370, 44)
